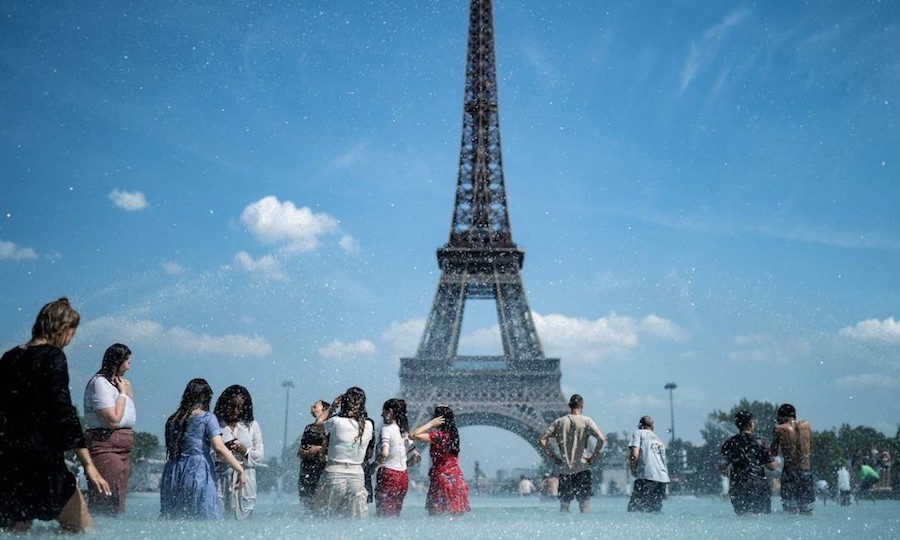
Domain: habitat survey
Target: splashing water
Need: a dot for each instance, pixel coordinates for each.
(509, 518)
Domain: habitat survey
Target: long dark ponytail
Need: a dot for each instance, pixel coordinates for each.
(398, 409)
(197, 393)
(449, 427)
(353, 406)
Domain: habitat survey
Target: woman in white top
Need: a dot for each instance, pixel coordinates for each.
(395, 452)
(110, 416)
(342, 490)
(241, 435)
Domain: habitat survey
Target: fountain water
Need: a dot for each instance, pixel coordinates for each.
(511, 518)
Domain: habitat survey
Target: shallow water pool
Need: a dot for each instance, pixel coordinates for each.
(510, 518)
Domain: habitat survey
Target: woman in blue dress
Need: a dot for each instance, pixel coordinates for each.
(188, 487)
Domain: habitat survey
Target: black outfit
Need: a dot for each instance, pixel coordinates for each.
(647, 496)
(369, 466)
(311, 469)
(575, 486)
(798, 492)
(38, 424)
(750, 491)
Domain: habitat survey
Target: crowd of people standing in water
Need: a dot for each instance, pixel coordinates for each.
(211, 455)
(211, 452)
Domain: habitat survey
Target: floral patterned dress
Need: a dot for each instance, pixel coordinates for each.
(447, 490)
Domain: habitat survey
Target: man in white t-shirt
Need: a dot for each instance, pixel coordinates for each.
(526, 486)
(571, 433)
(647, 459)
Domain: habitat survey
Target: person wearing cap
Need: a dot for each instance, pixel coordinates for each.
(744, 460)
(647, 460)
(793, 438)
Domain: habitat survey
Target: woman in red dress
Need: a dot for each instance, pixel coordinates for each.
(447, 491)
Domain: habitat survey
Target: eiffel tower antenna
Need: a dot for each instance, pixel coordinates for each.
(519, 390)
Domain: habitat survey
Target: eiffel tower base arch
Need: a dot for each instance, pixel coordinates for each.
(523, 402)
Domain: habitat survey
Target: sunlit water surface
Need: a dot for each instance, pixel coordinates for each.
(499, 518)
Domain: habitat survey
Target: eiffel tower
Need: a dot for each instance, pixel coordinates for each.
(519, 390)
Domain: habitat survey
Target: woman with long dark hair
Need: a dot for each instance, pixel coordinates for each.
(312, 454)
(448, 492)
(39, 424)
(110, 415)
(392, 480)
(242, 436)
(342, 489)
(188, 486)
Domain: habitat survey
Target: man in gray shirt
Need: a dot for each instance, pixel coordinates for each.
(571, 433)
(647, 458)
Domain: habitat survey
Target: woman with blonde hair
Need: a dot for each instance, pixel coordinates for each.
(39, 424)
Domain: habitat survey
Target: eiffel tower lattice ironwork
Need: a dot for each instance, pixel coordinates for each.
(519, 390)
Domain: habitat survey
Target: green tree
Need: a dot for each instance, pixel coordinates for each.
(861, 443)
(827, 456)
(764, 412)
(615, 451)
(146, 445)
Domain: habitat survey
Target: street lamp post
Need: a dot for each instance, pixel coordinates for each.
(287, 385)
(671, 386)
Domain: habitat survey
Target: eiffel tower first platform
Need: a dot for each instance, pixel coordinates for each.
(520, 390)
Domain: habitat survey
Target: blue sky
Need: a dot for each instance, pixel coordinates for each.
(706, 193)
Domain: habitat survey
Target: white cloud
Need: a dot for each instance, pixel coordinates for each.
(404, 337)
(703, 53)
(153, 335)
(765, 349)
(131, 201)
(172, 268)
(483, 341)
(874, 331)
(656, 326)
(868, 380)
(281, 223)
(11, 252)
(577, 340)
(337, 350)
(265, 267)
(348, 243)
(583, 340)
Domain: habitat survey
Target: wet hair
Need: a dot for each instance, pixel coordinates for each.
(786, 410)
(742, 419)
(197, 393)
(113, 359)
(53, 320)
(449, 426)
(325, 404)
(353, 406)
(398, 409)
(646, 421)
(245, 416)
(576, 402)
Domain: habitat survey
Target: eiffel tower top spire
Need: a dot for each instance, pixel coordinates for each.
(519, 389)
(480, 215)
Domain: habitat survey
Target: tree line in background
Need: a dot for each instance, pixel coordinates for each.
(695, 466)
